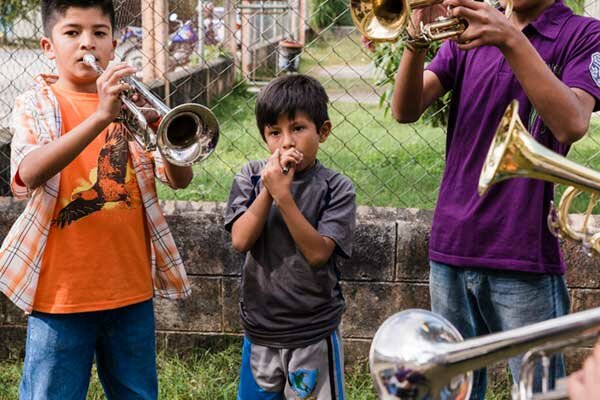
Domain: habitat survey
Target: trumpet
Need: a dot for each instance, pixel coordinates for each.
(185, 135)
(417, 354)
(515, 153)
(387, 20)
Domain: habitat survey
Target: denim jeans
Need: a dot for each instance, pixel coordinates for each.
(60, 352)
(481, 301)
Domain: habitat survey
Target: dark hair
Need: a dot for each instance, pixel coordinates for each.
(51, 9)
(289, 94)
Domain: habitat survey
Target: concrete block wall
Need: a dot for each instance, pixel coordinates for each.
(387, 273)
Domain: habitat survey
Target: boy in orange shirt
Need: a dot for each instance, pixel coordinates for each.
(92, 246)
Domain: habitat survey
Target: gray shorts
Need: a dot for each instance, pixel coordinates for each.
(314, 372)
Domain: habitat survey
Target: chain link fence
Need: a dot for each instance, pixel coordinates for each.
(221, 52)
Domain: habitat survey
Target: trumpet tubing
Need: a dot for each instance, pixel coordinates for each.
(515, 153)
(387, 20)
(185, 135)
(417, 354)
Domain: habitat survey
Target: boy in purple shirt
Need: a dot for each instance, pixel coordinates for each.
(494, 263)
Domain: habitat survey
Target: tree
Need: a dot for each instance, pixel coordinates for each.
(12, 11)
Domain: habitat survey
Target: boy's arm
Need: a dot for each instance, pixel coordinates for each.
(245, 214)
(248, 227)
(315, 248)
(178, 177)
(414, 88)
(487, 26)
(46, 161)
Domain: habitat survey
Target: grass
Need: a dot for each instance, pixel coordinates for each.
(390, 164)
(328, 49)
(399, 169)
(207, 375)
(203, 376)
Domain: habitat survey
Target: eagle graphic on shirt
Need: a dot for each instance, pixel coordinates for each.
(112, 184)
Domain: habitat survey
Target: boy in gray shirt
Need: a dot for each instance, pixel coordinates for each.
(294, 218)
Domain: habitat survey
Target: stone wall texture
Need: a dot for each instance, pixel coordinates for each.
(387, 273)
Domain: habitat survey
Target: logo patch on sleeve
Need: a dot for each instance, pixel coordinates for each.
(595, 68)
(303, 381)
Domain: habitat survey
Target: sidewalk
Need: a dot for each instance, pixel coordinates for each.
(359, 78)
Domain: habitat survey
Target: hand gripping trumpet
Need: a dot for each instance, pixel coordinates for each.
(387, 20)
(419, 355)
(186, 134)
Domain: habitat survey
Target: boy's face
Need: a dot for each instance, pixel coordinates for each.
(78, 32)
(299, 133)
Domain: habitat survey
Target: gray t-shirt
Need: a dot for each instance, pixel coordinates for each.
(285, 302)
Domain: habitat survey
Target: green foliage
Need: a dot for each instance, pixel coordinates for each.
(576, 5)
(12, 11)
(327, 13)
(386, 60)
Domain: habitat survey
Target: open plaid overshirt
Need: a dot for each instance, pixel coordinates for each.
(36, 121)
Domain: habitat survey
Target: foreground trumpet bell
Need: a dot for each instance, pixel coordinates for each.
(417, 354)
(186, 134)
(387, 20)
(515, 153)
(403, 353)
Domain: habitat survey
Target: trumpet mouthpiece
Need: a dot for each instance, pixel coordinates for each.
(89, 59)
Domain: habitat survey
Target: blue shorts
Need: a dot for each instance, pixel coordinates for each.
(311, 372)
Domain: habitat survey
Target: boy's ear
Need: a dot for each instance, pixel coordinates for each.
(324, 131)
(112, 54)
(47, 48)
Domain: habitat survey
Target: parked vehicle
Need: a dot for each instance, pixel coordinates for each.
(181, 45)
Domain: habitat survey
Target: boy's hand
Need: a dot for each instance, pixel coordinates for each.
(289, 159)
(110, 86)
(585, 383)
(487, 26)
(275, 181)
(149, 112)
(425, 15)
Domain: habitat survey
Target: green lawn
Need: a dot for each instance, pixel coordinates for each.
(328, 49)
(203, 376)
(206, 376)
(390, 164)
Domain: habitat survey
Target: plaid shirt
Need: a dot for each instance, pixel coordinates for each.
(36, 121)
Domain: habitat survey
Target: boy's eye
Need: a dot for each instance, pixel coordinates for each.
(101, 34)
(299, 128)
(71, 33)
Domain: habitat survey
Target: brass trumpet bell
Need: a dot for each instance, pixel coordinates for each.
(387, 20)
(419, 355)
(380, 20)
(515, 153)
(185, 135)
(188, 132)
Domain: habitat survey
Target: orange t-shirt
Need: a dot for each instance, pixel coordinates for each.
(98, 251)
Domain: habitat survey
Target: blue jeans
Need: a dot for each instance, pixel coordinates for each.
(60, 351)
(479, 301)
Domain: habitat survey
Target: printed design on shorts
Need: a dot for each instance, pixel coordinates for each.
(595, 68)
(111, 184)
(303, 382)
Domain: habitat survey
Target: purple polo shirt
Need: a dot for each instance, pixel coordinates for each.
(506, 229)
